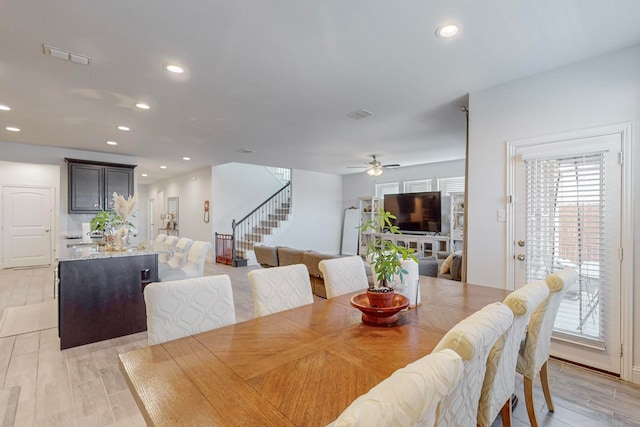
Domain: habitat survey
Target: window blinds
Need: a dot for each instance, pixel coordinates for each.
(417, 186)
(565, 228)
(387, 188)
(451, 185)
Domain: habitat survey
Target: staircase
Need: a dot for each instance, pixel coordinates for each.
(260, 222)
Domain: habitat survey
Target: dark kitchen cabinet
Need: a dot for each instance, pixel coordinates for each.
(92, 184)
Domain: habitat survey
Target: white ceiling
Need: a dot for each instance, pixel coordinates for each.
(279, 77)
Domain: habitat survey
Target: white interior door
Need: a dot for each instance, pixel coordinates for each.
(567, 212)
(26, 224)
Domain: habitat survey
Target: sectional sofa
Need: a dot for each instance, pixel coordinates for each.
(274, 256)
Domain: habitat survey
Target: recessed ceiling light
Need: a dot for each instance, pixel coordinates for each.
(186, 158)
(4, 108)
(448, 30)
(163, 167)
(145, 174)
(12, 129)
(174, 68)
(124, 128)
(112, 143)
(142, 106)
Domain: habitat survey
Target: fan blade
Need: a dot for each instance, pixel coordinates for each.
(393, 165)
(357, 167)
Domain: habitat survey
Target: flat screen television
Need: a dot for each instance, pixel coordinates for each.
(417, 212)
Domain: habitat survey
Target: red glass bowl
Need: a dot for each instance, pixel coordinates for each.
(379, 316)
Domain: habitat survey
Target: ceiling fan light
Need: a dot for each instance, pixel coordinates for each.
(375, 171)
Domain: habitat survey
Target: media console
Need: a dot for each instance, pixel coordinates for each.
(425, 246)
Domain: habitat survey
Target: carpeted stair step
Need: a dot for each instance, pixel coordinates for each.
(262, 230)
(244, 245)
(277, 217)
(253, 237)
(270, 223)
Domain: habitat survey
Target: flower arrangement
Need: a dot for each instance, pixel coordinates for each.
(117, 218)
(385, 255)
(123, 209)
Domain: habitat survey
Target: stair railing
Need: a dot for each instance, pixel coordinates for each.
(265, 212)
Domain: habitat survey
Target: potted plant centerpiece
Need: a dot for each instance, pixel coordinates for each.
(114, 225)
(104, 223)
(386, 258)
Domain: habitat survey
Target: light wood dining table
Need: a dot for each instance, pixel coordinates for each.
(300, 367)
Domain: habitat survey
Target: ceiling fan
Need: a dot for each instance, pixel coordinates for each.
(374, 167)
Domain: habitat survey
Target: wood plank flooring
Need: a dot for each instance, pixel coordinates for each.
(82, 386)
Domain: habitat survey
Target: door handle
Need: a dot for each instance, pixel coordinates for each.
(521, 243)
(46, 231)
(520, 257)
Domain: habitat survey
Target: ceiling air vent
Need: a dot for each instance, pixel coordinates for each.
(360, 114)
(56, 52)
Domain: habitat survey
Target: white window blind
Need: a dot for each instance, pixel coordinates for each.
(387, 188)
(565, 228)
(417, 186)
(451, 185)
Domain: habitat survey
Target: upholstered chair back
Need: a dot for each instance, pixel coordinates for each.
(169, 246)
(409, 397)
(472, 339)
(179, 258)
(343, 275)
(158, 243)
(196, 258)
(180, 308)
(280, 288)
(499, 380)
(535, 349)
(194, 266)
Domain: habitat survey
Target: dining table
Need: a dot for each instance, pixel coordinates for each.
(299, 367)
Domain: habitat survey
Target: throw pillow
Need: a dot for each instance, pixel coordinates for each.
(446, 265)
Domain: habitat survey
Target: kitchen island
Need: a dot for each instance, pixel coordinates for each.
(100, 293)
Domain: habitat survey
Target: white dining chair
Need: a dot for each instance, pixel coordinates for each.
(280, 288)
(343, 275)
(194, 267)
(534, 352)
(179, 257)
(158, 242)
(499, 380)
(181, 308)
(170, 243)
(409, 397)
(472, 339)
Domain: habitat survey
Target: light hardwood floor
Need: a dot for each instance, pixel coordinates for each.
(83, 386)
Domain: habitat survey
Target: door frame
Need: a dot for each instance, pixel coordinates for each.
(52, 219)
(626, 223)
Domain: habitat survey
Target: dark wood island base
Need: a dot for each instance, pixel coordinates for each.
(101, 298)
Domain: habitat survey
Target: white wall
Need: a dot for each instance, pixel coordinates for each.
(239, 188)
(316, 220)
(192, 189)
(597, 92)
(317, 213)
